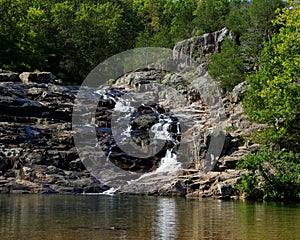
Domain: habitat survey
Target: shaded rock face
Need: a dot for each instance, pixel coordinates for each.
(9, 77)
(35, 133)
(199, 49)
(27, 77)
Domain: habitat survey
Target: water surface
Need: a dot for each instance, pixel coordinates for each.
(69, 217)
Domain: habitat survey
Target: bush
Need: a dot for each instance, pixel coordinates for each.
(273, 176)
(227, 66)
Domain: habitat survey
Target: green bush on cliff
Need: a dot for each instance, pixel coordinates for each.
(227, 66)
(273, 175)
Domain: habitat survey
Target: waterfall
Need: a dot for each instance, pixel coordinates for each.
(123, 130)
(178, 128)
(161, 130)
(169, 163)
(110, 191)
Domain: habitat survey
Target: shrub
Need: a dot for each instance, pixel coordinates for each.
(273, 176)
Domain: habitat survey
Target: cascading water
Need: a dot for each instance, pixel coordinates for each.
(168, 165)
(161, 127)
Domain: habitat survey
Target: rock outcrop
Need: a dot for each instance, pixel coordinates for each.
(6, 76)
(199, 49)
(37, 77)
(37, 151)
(27, 77)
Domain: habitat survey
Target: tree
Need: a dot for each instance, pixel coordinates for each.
(259, 28)
(273, 176)
(68, 38)
(227, 66)
(210, 15)
(181, 14)
(274, 93)
(86, 34)
(24, 39)
(250, 24)
(156, 26)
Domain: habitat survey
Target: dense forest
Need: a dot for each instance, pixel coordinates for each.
(71, 37)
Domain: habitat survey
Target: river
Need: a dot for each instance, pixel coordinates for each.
(70, 217)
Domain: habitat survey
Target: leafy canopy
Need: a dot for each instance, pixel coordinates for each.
(274, 93)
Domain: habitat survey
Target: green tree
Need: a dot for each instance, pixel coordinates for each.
(210, 15)
(227, 67)
(181, 14)
(24, 37)
(66, 37)
(251, 25)
(259, 29)
(155, 30)
(274, 93)
(86, 34)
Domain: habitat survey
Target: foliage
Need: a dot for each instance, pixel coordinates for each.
(150, 13)
(273, 175)
(180, 13)
(70, 37)
(66, 37)
(96, 33)
(210, 15)
(274, 93)
(227, 66)
(250, 25)
(24, 41)
(274, 98)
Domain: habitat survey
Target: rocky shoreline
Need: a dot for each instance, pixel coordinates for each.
(38, 155)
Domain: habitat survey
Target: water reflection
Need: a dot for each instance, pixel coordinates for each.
(137, 218)
(166, 219)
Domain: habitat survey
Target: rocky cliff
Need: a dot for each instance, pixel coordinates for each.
(37, 152)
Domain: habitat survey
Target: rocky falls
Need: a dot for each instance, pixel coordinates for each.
(38, 154)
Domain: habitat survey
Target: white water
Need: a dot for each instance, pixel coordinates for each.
(168, 165)
(124, 107)
(123, 111)
(161, 129)
(110, 191)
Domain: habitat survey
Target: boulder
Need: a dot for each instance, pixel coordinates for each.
(9, 77)
(237, 93)
(37, 77)
(141, 77)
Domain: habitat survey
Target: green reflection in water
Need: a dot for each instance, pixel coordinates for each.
(134, 217)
